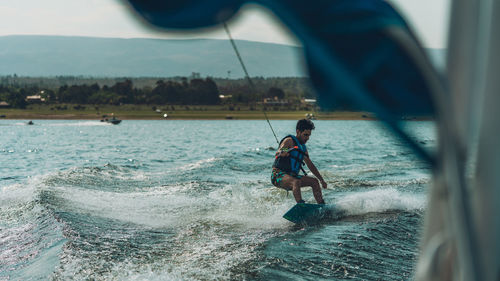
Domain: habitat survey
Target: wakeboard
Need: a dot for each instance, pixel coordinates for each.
(305, 213)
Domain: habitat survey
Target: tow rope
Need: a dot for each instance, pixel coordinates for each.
(252, 86)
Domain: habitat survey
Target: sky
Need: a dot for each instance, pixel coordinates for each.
(112, 18)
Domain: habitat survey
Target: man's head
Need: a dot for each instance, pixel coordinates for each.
(303, 129)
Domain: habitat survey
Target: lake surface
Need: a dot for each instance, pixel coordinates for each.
(192, 200)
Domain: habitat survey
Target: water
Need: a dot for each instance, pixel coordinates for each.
(192, 200)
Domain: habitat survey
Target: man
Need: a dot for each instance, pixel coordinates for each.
(290, 156)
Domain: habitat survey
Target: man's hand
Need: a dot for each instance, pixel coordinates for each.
(283, 152)
(323, 184)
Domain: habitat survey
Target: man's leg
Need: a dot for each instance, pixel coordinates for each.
(294, 184)
(296, 190)
(314, 184)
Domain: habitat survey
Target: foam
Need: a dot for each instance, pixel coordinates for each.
(171, 206)
(80, 124)
(41, 265)
(153, 208)
(95, 176)
(214, 230)
(198, 164)
(30, 237)
(380, 200)
(15, 194)
(250, 207)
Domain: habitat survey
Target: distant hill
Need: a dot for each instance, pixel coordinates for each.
(30, 55)
(113, 57)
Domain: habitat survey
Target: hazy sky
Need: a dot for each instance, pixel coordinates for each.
(111, 18)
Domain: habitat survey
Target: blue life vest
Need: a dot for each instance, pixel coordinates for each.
(291, 164)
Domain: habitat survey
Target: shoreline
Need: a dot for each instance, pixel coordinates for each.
(205, 113)
(235, 117)
(194, 115)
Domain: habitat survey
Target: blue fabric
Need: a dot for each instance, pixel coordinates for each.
(292, 163)
(185, 13)
(297, 156)
(353, 59)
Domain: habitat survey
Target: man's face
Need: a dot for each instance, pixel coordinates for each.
(303, 136)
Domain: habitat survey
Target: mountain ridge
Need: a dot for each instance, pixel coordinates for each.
(45, 55)
(51, 55)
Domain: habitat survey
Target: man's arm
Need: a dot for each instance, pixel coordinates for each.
(315, 171)
(284, 147)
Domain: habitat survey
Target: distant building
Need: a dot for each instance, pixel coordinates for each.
(275, 101)
(35, 99)
(4, 104)
(225, 96)
(309, 101)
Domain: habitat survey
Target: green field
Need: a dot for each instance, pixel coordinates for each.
(174, 112)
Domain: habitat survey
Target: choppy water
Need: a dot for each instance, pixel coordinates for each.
(192, 200)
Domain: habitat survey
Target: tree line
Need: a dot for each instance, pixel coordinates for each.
(193, 92)
(176, 91)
